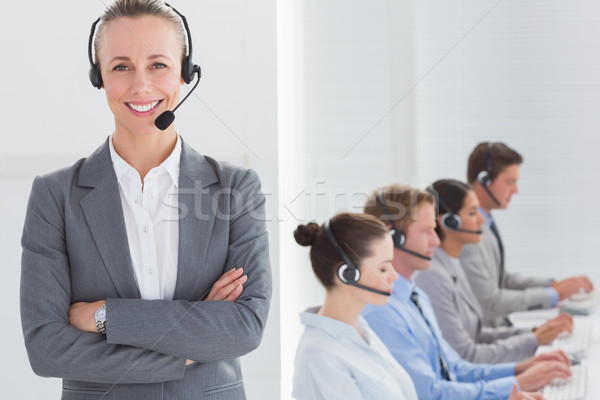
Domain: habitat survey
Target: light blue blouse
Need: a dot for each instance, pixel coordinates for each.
(334, 362)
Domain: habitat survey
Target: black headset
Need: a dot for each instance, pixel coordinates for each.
(450, 220)
(398, 237)
(188, 68)
(348, 272)
(485, 177)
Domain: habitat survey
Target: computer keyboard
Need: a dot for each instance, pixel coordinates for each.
(578, 342)
(580, 304)
(573, 388)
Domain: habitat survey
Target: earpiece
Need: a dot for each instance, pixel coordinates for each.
(348, 272)
(188, 68)
(450, 220)
(485, 177)
(398, 237)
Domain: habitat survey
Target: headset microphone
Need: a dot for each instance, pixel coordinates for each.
(349, 273)
(469, 231)
(166, 118)
(489, 192)
(414, 253)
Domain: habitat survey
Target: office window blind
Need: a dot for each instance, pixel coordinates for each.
(525, 73)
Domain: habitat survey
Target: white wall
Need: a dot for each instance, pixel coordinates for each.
(52, 116)
(525, 73)
(369, 93)
(341, 65)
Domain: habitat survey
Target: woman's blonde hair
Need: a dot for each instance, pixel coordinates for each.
(138, 8)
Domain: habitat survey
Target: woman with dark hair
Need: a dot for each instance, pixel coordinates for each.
(456, 307)
(339, 356)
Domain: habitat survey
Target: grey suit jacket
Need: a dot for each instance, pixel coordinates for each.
(75, 249)
(460, 319)
(482, 264)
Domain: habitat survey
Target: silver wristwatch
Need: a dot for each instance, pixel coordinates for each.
(100, 316)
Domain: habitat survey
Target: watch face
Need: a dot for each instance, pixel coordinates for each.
(101, 314)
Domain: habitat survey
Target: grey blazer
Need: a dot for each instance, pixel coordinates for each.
(460, 319)
(75, 249)
(481, 263)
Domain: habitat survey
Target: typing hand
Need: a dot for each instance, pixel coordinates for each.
(542, 373)
(556, 355)
(568, 287)
(550, 330)
(229, 286)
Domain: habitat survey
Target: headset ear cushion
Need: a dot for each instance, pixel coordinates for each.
(96, 76)
(347, 274)
(484, 178)
(186, 69)
(398, 238)
(451, 221)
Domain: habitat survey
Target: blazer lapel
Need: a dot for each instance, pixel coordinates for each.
(104, 215)
(196, 222)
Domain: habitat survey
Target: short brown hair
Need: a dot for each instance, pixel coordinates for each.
(495, 156)
(401, 204)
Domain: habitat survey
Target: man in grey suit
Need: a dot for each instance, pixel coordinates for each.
(121, 250)
(493, 172)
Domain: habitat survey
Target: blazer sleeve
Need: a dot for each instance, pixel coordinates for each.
(442, 295)
(206, 331)
(516, 281)
(482, 271)
(54, 347)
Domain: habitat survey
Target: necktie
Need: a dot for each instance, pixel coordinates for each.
(497, 234)
(443, 366)
(506, 321)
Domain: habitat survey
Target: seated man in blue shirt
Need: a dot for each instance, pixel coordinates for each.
(407, 324)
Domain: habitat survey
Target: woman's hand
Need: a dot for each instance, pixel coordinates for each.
(229, 286)
(81, 315)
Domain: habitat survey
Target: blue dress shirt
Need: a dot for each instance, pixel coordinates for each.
(403, 330)
(334, 362)
(552, 293)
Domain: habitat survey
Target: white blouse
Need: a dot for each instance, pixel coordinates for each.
(334, 362)
(152, 222)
